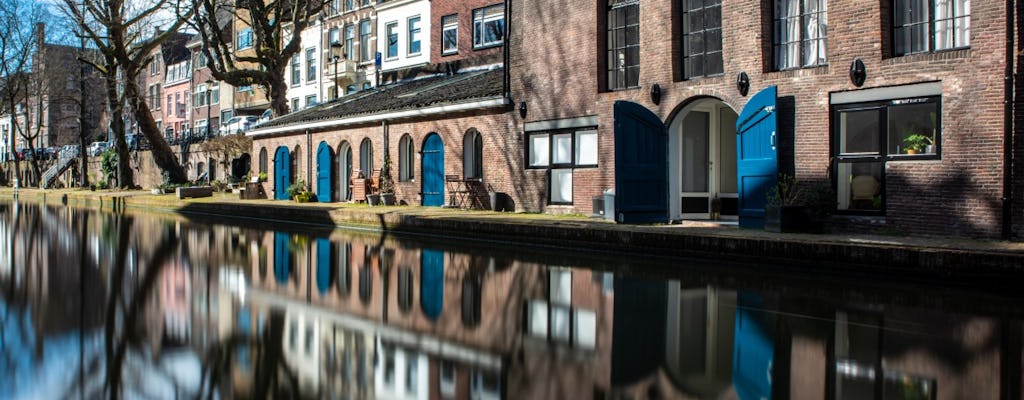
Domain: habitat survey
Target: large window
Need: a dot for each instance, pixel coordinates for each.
(561, 152)
(244, 38)
(350, 39)
(920, 26)
(488, 26)
(623, 44)
(333, 36)
(702, 38)
(473, 155)
(296, 70)
(406, 159)
(310, 65)
(868, 135)
(450, 34)
(365, 28)
(800, 33)
(392, 33)
(414, 36)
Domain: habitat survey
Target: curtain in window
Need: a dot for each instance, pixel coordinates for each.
(787, 33)
(952, 23)
(962, 23)
(815, 33)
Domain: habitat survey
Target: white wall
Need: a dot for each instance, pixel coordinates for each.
(311, 39)
(400, 11)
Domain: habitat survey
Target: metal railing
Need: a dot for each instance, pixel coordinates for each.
(65, 159)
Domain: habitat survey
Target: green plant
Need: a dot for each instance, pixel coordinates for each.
(785, 192)
(263, 176)
(387, 183)
(218, 185)
(916, 142)
(108, 163)
(296, 188)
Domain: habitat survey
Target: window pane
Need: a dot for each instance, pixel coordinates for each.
(392, 32)
(539, 150)
(695, 151)
(860, 186)
(414, 35)
(912, 128)
(561, 186)
(562, 148)
(859, 132)
(586, 148)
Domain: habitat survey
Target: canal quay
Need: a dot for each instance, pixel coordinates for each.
(134, 295)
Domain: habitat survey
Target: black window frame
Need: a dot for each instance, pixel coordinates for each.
(884, 155)
(929, 22)
(614, 71)
(705, 31)
(802, 41)
(551, 165)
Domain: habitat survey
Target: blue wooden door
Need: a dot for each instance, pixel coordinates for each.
(324, 172)
(323, 265)
(282, 173)
(753, 349)
(282, 257)
(432, 282)
(641, 165)
(757, 165)
(433, 171)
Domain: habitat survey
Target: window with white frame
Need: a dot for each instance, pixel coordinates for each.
(365, 29)
(921, 26)
(391, 30)
(800, 36)
(413, 47)
(295, 104)
(488, 26)
(215, 93)
(623, 44)
(350, 39)
(406, 159)
(561, 152)
(450, 34)
(446, 379)
(244, 39)
(333, 36)
(310, 100)
(311, 65)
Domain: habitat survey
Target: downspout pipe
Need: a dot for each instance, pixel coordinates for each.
(506, 56)
(309, 161)
(1008, 113)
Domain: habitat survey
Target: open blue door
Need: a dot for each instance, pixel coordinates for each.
(323, 265)
(433, 171)
(641, 165)
(757, 166)
(753, 349)
(282, 173)
(324, 172)
(432, 282)
(282, 257)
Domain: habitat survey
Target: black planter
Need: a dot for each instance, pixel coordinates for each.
(388, 199)
(790, 219)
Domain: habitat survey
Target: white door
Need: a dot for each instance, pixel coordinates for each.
(707, 166)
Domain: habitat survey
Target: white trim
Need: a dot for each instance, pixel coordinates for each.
(887, 93)
(496, 101)
(566, 123)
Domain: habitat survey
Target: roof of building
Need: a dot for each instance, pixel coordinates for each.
(409, 95)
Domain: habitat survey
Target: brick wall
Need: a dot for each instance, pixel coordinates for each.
(466, 55)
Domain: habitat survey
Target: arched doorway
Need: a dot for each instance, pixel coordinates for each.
(702, 161)
(324, 166)
(432, 168)
(344, 172)
(282, 173)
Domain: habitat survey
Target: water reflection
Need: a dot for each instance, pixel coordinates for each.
(131, 305)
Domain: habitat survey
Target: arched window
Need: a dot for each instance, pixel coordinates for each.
(366, 157)
(200, 170)
(263, 160)
(473, 154)
(296, 154)
(406, 159)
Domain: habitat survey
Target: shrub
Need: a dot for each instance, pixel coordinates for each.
(296, 188)
(219, 186)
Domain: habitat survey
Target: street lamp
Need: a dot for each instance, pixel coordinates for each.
(337, 46)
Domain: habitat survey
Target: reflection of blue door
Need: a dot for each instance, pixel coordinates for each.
(323, 173)
(282, 173)
(753, 349)
(323, 265)
(433, 171)
(757, 166)
(641, 165)
(432, 285)
(282, 257)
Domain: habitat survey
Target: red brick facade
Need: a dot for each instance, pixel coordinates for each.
(466, 54)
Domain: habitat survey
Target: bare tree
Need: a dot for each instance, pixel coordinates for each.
(115, 27)
(17, 44)
(276, 27)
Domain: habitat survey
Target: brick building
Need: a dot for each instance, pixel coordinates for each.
(896, 117)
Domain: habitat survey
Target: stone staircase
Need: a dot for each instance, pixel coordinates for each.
(65, 159)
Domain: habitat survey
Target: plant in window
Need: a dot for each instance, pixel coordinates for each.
(916, 142)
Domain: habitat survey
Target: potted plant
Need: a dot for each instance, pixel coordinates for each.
(916, 143)
(298, 187)
(387, 183)
(793, 208)
(263, 176)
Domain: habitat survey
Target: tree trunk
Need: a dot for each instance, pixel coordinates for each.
(125, 177)
(11, 138)
(163, 155)
(278, 93)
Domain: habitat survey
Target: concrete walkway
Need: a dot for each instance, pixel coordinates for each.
(893, 255)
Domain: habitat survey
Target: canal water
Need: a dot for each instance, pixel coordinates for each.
(99, 304)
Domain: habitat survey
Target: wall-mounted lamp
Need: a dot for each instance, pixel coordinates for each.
(656, 94)
(743, 83)
(522, 109)
(858, 72)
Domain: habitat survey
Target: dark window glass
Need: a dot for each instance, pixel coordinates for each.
(702, 37)
(920, 26)
(623, 44)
